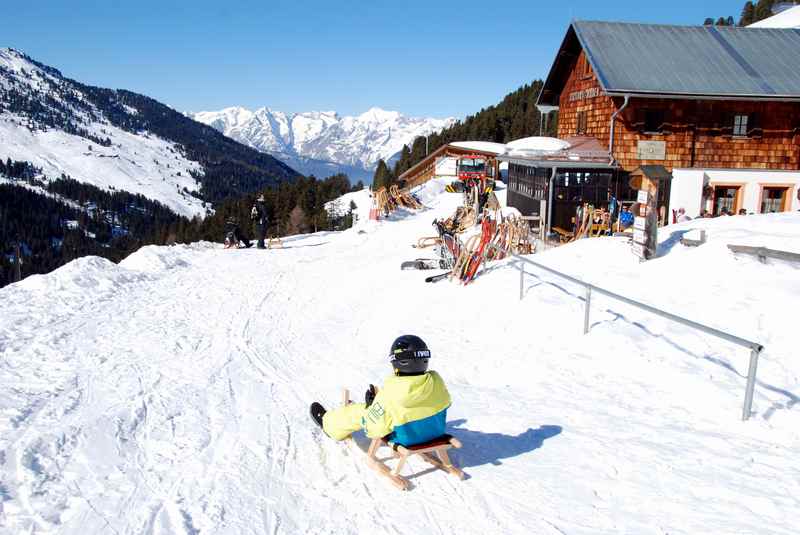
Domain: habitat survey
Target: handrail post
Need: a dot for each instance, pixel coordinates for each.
(755, 348)
(751, 383)
(588, 305)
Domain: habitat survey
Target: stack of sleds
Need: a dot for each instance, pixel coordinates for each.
(463, 257)
(387, 201)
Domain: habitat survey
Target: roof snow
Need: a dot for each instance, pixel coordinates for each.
(789, 18)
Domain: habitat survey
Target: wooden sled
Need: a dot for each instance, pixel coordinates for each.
(426, 451)
(274, 243)
(563, 234)
(428, 241)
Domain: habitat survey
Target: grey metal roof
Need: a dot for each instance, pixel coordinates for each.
(689, 60)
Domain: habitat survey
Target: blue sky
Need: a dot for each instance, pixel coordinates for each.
(434, 58)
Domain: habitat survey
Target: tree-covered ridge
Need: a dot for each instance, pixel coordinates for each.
(48, 100)
(51, 232)
(294, 208)
(751, 12)
(516, 116)
(80, 219)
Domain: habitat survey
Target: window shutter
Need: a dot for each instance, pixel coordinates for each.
(639, 120)
(754, 126)
(726, 128)
(666, 126)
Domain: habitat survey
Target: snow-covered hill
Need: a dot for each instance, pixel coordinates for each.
(120, 140)
(169, 394)
(141, 163)
(324, 142)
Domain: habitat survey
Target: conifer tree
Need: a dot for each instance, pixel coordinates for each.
(383, 177)
(748, 14)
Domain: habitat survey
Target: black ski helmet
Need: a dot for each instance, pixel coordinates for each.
(409, 355)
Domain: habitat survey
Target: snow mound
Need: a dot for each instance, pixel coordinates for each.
(157, 259)
(86, 274)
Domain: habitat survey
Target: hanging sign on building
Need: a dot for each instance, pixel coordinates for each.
(651, 150)
(584, 94)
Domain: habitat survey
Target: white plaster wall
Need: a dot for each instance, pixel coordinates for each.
(445, 167)
(687, 186)
(686, 191)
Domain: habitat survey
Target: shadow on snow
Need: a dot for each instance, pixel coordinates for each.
(481, 448)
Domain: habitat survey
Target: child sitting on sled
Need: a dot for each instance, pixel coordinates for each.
(410, 409)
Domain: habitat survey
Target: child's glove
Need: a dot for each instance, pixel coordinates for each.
(369, 395)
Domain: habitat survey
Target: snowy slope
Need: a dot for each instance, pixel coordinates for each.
(169, 394)
(139, 163)
(308, 141)
(147, 165)
(361, 199)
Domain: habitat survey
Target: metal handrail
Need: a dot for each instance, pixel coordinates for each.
(755, 347)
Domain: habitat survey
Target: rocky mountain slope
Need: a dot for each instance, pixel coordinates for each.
(120, 140)
(323, 143)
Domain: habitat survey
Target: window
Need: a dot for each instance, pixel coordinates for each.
(529, 181)
(581, 127)
(773, 199)
(740, 125)
(653, 121)
(584, 68)
(726, 200)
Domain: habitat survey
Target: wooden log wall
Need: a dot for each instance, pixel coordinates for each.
(697, 133)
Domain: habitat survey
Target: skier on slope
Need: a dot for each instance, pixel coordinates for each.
(259, 216)
(411, 408)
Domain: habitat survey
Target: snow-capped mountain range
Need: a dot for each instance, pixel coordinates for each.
(324, 142)
(120, 140)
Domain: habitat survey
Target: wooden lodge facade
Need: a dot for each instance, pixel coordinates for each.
(441, 163)
(728, 134)
(717, 108)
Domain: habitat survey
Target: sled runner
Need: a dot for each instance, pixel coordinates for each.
(426, 450)
(437, 278)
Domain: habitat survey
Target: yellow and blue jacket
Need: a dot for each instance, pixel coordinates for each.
(409, 409)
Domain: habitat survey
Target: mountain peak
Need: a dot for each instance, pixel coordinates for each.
(12, 59)
(349, 144)
(379, 114)
(16, 61)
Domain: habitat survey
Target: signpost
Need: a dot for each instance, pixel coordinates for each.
(645, 212)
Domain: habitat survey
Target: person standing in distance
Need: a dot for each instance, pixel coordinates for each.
(259, 216)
